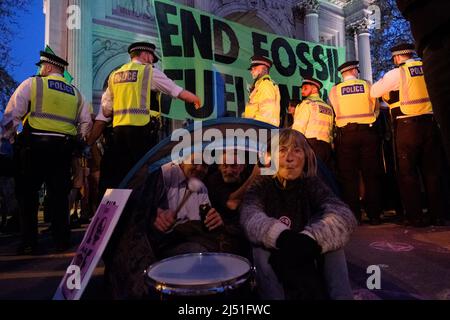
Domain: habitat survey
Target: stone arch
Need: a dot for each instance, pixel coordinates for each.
(259, 19)
(107, 67)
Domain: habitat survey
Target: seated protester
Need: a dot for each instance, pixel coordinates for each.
(178, 228)
(226, 188)
(161, 219)
(292, 219)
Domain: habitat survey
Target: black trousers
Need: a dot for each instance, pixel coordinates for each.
(129, 145)
(323, 151)
(419, 151)
(45, 159)
(358, 150)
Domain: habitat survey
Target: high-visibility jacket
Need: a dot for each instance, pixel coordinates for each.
(130, 87)
(55, 105)
(314, 118)
(392, 99)
(414, 98)
(264, 102)
(352, 102)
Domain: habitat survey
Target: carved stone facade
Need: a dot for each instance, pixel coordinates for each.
(101, 44)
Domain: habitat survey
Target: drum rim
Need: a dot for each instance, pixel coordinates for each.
(200, 289)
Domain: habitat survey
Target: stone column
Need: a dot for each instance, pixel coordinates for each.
(55, 26)
(350, 44)
(364, 49)
(311, 20)
(79, 47)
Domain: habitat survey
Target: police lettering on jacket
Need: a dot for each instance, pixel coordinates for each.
(415, 71)
(126, 76)
(61, 87)
(353, 89)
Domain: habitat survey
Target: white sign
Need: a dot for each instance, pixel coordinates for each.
(94, 243)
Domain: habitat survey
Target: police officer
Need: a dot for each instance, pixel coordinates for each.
(417, 136)
(53, 112)
(315, 119)
(127, 101)
(357, 144)
(264, 99)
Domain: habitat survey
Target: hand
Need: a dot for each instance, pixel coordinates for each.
(213, 219)
(197, 103)
(86, 152)
(165, 219)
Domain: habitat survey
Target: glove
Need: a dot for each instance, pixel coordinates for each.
(86, 152)
(294, 265)
(297, 248)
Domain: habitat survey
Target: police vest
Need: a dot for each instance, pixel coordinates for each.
(55, 105)
(352, 103)
(264, 102)
(414, 99)
(393, 100)
(130, 87)
(314, 118)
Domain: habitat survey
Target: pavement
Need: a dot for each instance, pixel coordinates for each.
(414, 264)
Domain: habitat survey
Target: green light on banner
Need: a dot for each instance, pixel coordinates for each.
(67, 75)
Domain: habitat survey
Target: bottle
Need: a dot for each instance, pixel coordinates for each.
(203, 210)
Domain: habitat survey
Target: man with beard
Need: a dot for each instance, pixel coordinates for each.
(226, 188)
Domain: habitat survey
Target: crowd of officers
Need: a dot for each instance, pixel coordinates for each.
(342, 132)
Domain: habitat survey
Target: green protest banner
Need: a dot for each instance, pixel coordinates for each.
(210, 56)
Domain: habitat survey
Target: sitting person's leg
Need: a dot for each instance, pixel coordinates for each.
(336, 275)
(267, 284)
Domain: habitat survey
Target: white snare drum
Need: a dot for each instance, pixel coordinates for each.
(199, 274)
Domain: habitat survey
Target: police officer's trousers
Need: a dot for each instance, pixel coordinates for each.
(419, 153)
(45, 159)
(358, 151)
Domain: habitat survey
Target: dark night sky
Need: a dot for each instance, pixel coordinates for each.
(29, 40)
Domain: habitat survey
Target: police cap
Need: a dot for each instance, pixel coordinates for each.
(52, 59)
(144, 46)
(311, 80)
(260, 60)
(403, 48)
(349, 65)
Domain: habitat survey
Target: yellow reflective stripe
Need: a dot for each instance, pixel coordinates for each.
(363, 115)
(270, 101)
(416, 101)
(145, 89)
(44, 115)
(137, 111)
(39, 94)
(403, 80)
(78, 104)
(321, 122)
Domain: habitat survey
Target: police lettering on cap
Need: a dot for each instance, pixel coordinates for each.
(260, 60)
(47, 57)
(403, 48)
(349, 65)
(144, 46)
(311, 80)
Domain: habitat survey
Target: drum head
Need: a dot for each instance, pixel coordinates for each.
(199, 273)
